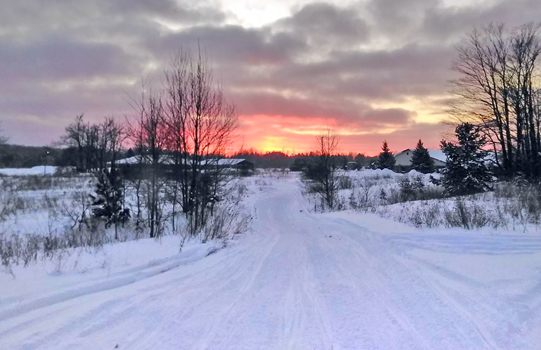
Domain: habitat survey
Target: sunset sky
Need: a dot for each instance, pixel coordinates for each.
(371, 70)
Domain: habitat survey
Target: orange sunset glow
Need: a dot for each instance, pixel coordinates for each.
(297, 135)
(292, 69)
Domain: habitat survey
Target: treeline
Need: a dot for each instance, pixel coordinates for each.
(16, 156)
(86, 147)
(82, 150)
(297, 162)
(90, 147)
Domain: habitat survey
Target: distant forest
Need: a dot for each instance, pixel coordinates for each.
(16, 156)
(298, 161)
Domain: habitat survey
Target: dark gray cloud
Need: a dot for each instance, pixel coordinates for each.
(233, 45)
(398, 18)
(448, 24)
(412, 70)
(324, 24)
(28, 15)
(57, 58)
(355, 64)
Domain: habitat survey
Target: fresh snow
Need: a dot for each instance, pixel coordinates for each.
(300, 280)
(372, 173)
(37, 170)
(437, 154)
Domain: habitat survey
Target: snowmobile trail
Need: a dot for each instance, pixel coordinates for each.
(300, 281)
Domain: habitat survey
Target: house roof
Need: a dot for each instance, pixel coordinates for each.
(130, 160)
(230, 161)
(168, 160)
(435, 154)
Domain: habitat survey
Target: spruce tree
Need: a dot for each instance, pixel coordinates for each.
(421, 160)
(466, 171)
(107, 201)
(386, 158)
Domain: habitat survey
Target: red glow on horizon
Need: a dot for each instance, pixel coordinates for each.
(293, 135)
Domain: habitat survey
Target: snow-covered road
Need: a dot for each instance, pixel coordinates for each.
(302, 281)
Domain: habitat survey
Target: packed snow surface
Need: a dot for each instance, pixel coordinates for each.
(300, 280)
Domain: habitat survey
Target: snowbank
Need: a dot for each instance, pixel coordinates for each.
(37, 170)
(373, 173)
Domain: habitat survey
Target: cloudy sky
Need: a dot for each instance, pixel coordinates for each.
(371, 70)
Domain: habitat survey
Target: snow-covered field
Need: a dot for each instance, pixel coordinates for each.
(34, 171)
(414, 199)
(297, 280)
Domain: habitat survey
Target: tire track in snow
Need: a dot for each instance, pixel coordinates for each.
(286, 286)
(86, 289)
(481, 331)
(226, 272)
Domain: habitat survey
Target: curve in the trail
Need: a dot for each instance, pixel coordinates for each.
(300, 281)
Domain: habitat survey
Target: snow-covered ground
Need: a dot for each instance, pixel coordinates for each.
(34, 171)
(298, 280)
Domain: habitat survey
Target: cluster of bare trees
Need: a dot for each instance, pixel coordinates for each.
(188, 125)
(92, 146)
(178, 132)
(499, 90)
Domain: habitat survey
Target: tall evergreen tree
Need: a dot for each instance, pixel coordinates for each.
(421, 160)
(386, 158)
(107, 203)
(466, 171)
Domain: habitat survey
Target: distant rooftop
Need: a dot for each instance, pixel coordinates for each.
(169, 160)
(434, 153)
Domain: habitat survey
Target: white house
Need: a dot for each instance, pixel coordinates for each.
(403, 159)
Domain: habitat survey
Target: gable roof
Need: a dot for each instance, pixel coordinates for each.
(168, 160)
(438, 155)
(435, 154)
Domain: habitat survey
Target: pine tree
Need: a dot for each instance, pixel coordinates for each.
(421, 160)
(386, 158)
(107, 201)
(466, 171)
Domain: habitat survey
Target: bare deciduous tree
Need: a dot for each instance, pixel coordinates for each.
(176, 110)
(149, 133)
(111, 137)
(499, 91)
(188, 126)
(92, 144)
(75, 138)
(200, 129)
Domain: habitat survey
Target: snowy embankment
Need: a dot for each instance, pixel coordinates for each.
(87, 271)
(414, 199)
(300, 280)
(34, 171)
